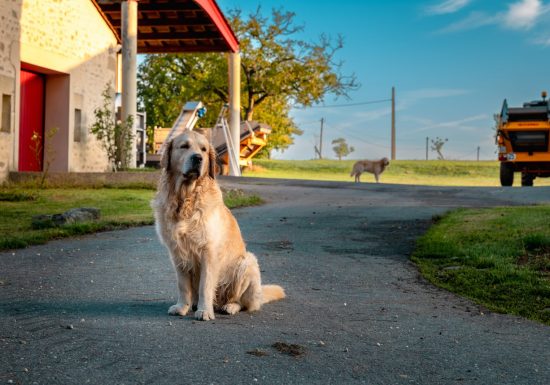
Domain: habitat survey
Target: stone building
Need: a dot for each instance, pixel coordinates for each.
(56, 58)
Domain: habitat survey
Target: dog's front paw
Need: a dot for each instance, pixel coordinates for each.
(178, 309)
(204, 315)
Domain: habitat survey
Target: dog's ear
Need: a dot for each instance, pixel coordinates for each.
(166, 156)
(212, 157)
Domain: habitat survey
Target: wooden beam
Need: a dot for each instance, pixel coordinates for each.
(164, 21)
(152, 7)
(174, 36)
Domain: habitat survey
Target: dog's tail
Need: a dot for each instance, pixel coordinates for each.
(272, 293)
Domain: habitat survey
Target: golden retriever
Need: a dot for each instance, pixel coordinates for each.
(375, 167)
(213, 268)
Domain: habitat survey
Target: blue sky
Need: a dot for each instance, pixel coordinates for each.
(452, 63)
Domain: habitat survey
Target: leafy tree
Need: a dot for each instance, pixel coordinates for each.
(437, 146)
(278, 71)
(341, 148)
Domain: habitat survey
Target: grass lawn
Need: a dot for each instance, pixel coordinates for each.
(500, 258)
(120, 208)
(432, 172)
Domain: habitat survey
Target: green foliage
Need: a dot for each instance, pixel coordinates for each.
(16, 196)
(341, 148)
(278, 71)
(116, 136)
(498, 257)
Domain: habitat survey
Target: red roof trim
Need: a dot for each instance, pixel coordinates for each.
(212, 9)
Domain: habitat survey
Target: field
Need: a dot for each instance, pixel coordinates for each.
(432, 172)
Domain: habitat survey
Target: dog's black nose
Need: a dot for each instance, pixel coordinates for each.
(196, 159)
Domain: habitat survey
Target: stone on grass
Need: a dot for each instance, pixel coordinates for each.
(76, 215)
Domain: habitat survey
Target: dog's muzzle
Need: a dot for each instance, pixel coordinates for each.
(194, 168)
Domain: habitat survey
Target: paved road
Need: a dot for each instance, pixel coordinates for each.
(93, 309)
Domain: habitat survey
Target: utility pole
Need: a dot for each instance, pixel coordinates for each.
(319, 151)
(427, 148)
(393, 123)
(321, 140)
(478, 153)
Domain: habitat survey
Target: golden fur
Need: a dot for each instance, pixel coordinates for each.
(375, 167)
(204, 241)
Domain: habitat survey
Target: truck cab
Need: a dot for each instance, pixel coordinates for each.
(522, 139)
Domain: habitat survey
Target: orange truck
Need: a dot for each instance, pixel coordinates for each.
(522, 139)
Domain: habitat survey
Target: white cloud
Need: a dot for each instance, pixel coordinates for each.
(523, 14)
(448, 6)
(520, 15)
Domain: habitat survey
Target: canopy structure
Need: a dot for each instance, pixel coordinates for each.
(174, 25)
(171, 26)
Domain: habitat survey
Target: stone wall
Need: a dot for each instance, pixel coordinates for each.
(10, 13)
(58, 38)
(77, 41)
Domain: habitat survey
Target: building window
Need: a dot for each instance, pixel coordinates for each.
(6, 113)
(77, 125)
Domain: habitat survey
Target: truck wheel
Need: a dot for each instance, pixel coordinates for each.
(527, 179)
(506, 174)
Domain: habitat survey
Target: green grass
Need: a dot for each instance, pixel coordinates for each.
(433, 172)
(120, 208)
(500, 258)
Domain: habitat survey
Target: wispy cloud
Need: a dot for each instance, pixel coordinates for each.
(542, 40)
(409, 98)
(473, 21)
(519, 15)
(523, 14)
(463, 125)
(446, 7)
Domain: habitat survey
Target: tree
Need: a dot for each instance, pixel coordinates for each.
(437, 145)
(115, 135)
(278, 71)
(341, 149)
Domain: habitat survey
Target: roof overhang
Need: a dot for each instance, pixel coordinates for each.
(174, 25)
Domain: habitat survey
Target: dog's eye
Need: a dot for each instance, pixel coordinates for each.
(203, 149)
(185, 145)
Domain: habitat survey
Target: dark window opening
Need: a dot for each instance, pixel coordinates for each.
(77, 125)
(6, 113)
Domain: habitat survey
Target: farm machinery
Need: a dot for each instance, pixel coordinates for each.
(522, 139)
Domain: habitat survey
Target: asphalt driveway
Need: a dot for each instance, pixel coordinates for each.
(94, 309)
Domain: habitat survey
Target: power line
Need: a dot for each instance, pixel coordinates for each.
(347, 105)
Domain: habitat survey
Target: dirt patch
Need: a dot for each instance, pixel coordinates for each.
(537, 259)
(293, 350)
(258, 353)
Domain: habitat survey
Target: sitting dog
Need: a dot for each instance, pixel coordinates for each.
(213, 268)
(375, 167)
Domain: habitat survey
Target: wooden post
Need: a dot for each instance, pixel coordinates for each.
(129, 69)
(393, 123)
(321, 140)
(234, 59)
(427, 148)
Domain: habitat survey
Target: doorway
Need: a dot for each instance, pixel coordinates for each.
(31, 121)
